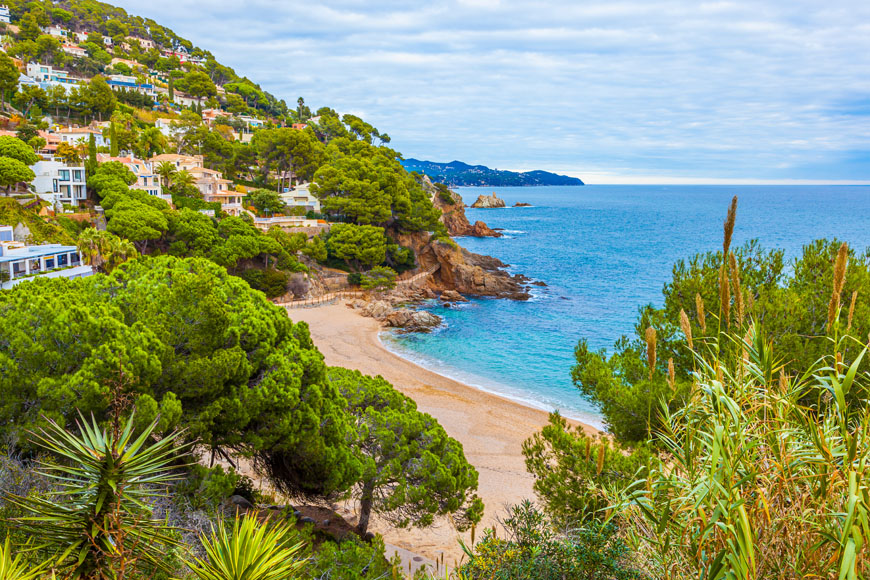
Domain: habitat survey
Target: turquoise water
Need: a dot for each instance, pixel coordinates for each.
(604, 251)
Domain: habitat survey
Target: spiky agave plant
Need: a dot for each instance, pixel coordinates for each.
(250, 551)
(18, 568)
(98, 523)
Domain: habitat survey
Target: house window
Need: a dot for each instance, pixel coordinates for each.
(49, 263)
(79, 191)
(62, 261)
(54, 185)
(64, 190)
(63, 174)
(77, 175)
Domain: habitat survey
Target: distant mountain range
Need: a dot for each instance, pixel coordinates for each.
(459, 174)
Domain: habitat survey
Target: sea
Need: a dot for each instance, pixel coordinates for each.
(603, 251)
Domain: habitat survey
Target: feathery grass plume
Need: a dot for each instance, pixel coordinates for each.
(672, 375)
(651, 349)
(724, 296)
(702, 318)
(852, 309)
(833, 307)
(686, 328)
(599, 466)
(729, 226)
(839, 279)
(840, 267)
(588, 449)
(735, 283)
(749, 300)
(783, 382)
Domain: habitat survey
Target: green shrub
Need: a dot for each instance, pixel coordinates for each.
(444, 194)
(574, 471)
(206, 488)
(272, 283)
(530, 549)
(379, 278)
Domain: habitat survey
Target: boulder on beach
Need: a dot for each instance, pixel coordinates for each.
(412, 319)
(488, 202)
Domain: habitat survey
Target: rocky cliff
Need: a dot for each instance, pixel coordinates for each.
(488, 202)
(464, 271)
(453, 213)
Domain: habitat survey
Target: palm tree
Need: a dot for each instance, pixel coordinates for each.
(90, 246)
(120, 250)
(167, 171)
(183, 178)
(98, 520)
(253, 551)
(151, 142)
(104, 251)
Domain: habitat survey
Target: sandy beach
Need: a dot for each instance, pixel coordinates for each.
(490, 428)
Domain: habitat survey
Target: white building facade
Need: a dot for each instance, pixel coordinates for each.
(19, 261)
(59, 183)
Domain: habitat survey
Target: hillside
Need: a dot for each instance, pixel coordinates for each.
(459, 174)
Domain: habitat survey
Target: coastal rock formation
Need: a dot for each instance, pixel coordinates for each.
(412, 319)
(453, 213)
(463, 271)
(522, 204)
(488, 202)
(452, 296)
(481, 230)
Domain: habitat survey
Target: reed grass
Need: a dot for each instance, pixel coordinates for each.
(702, 319)
(754, 483)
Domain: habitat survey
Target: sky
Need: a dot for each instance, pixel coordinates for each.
(638, 91)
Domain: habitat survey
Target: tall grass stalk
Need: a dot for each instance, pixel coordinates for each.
(754, 483)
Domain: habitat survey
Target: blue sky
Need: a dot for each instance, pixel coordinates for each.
(620, 91)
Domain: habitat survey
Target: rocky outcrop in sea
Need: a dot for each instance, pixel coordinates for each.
(453, 214)
(488, 202)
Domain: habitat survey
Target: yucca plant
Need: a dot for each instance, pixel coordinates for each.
(755, 484)
(18, 568)
(98, 524)
(251, 550)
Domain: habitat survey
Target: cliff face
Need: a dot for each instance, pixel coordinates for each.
(464, 271)
(453, 214)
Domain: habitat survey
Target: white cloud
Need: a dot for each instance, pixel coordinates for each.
(763, 89)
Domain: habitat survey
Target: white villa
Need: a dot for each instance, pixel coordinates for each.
(19, 261)
(59, 183)
(4, 14)
(301, 196)
(210, 183)
(76, 135)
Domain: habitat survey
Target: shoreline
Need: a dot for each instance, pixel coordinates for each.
(570, 415)
(490, 427)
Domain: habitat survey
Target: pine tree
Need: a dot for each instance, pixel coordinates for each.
(113, 137)
(171, 89)
(92, 154)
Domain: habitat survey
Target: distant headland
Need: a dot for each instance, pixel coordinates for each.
(459, 174)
